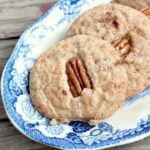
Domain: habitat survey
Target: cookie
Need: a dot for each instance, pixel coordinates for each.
(79, 78)
(114, 23)
(141, 5)
(137, 62)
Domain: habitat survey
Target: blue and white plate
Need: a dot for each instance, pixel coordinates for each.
(129, 124)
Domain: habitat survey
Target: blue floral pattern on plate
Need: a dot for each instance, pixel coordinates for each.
(77, 134)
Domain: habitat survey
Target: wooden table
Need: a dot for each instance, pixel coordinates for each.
(14, 19)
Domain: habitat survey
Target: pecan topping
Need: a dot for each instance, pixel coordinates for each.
(122, 45)
(146, 11)
(78, 77)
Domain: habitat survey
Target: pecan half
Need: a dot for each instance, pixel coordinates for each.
(146, 11)
(122, 45)
(78, 78)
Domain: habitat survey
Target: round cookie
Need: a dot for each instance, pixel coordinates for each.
(141, 5)
(79, 78)
(114, 23)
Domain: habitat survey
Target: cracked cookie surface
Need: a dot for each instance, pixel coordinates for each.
(114, 23)
(137, 63)
(89, 66)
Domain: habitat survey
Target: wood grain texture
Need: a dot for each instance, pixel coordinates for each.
(11, 139)
(17, 15)
(6, 47)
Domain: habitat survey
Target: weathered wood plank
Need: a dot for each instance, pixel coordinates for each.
(17, 15)
(140, 145)
(15, 3)
(2, 111)
(11, 139)
(6, 47)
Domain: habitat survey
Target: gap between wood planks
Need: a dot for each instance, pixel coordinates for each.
(17, 15)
